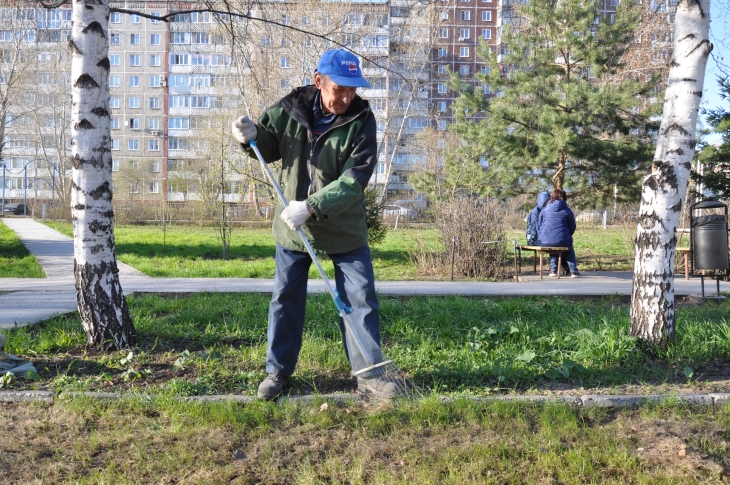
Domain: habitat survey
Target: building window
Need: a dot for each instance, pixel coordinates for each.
(486, 70)
(113, 81)
(441, 106)
(154, 81)
(441, 69)
(115, 144)
(133, 144)
(155, 21)
(441, 87)
(133, 81)
(464, 34)
(115, 165)
(285, 84)
(115, 18)
(114, 123)
(487, 16)
(175, 143)
(201, 38)
(154, 187)
(179, 59)
(155, 61)
(442, 51)
(114, 102)
(133, 188)
(154, 145)
(486, 33)
(154, 123)
(154, 165)
(441, 125)
(135, 19)
(464, 70)
(114, 59)
(443, 32)
(155, 103)
(465, 15)
(179, 37)
(486, 89)
(284, 62)
(134, 39)
(134, 123)
(114, 39)
(134, 59)
(133, 102)
(178, 123)
(154, 39)
(463, 52)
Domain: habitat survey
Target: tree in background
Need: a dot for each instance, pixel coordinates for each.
(559, 116)
(714, 175)
(664, 188)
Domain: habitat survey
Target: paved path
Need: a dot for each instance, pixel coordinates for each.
(30, 300)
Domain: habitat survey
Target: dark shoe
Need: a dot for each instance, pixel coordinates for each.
(272, 386)
(379, 387)
(575, 274)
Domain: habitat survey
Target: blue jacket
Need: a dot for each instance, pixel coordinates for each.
(556, 225)
(534, 215)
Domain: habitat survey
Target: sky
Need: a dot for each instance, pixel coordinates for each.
(719, 62)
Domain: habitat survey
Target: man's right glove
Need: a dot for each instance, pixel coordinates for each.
(244, 130)
(296, 214)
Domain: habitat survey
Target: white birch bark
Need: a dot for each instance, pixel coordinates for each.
(101, 302)
(652, 301)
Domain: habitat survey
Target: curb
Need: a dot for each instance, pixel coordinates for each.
(589, 400)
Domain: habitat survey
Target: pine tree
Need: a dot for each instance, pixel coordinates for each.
(562, 116)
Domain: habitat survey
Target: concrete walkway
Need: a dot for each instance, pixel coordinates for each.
(30, 300)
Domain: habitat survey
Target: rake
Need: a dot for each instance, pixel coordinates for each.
(376, 366)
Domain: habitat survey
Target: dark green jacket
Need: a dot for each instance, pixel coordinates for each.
(330, 174)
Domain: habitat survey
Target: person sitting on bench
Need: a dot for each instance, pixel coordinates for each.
(555, 228)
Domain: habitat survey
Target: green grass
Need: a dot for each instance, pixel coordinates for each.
(140, 441)
(216, 344)
(191, 251)
(15, 260)
(461, 347)
(195, 252)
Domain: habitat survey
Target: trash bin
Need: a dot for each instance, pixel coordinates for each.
(709, 241)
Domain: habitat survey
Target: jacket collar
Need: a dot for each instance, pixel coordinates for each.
(299, 104)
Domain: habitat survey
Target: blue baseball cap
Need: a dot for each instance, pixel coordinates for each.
(343, 68)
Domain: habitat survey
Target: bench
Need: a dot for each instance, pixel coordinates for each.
(542, 250)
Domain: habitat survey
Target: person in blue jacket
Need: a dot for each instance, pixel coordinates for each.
(533, 217)
(556, 225)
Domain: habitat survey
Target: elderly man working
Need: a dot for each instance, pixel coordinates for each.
(325, 136)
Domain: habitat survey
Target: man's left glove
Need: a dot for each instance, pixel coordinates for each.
(244, 130)
(296, 214)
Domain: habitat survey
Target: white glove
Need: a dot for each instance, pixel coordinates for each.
(244, 130)
(296, 214)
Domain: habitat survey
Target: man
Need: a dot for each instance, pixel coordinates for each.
(325, 136)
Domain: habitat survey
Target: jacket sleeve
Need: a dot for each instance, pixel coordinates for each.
(267, 137)
(341, 194)
(571, 221)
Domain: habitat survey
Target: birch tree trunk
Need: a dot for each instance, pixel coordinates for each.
(102, 306)
(652, 300)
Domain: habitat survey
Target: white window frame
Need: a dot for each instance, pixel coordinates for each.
(133, 144)
(464, 51)
(134, 102)
(154, 39)
(465, 15)
(487, 16)
(134, 60)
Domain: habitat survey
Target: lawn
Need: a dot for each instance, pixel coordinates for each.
(458, 347)
(15, 260)
(196, 251)
(155, 441)
(216, 344)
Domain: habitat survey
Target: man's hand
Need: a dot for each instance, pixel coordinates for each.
(296, 214)
(244, 130)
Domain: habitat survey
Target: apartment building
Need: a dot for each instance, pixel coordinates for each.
(174, 85)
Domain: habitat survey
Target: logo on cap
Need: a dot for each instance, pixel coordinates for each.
(353, 69)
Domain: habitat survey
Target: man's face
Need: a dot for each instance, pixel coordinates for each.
(335, 99)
